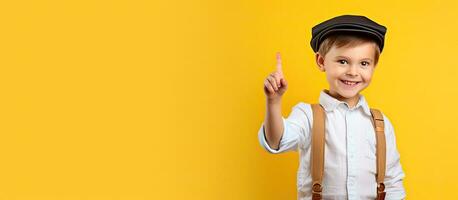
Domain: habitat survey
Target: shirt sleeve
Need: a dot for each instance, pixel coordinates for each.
(394, 174)
(294, 132)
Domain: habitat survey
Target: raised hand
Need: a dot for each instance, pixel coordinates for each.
(275, 84)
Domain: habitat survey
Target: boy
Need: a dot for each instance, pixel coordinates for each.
(347, 49)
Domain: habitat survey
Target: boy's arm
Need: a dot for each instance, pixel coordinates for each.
(394, 175)
(273, 124)
(294, 131)
(275, 86)
(277, 134)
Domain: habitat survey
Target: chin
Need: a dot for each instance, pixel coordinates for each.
(349, 95)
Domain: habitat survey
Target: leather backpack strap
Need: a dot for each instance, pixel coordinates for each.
(377, 120)
(317, 150)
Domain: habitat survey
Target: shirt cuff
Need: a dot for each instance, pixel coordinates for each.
(395, 196)
(263, 141)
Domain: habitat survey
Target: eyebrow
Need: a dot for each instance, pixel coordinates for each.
(350, 59)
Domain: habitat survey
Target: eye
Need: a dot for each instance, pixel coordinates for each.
(365, 63)
(342, 61)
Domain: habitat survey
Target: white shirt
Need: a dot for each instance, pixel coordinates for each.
(350, 161)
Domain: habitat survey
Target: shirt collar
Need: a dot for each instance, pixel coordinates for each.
(330, 103)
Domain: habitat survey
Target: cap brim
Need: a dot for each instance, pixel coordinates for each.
(349, 28)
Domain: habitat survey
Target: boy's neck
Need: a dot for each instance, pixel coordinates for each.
(350, 101)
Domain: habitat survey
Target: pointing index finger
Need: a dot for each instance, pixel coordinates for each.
(279, 65)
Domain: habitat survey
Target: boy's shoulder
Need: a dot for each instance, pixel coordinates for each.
(302, 109)
(303, 106)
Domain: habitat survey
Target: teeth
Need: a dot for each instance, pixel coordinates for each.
(349, 82)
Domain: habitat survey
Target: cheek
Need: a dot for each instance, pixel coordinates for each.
(332, 75)
(334, 71)
(367, 76)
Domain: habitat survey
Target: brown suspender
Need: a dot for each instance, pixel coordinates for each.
(377, 120)
(317, 151)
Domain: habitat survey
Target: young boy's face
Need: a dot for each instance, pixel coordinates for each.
(353, 64)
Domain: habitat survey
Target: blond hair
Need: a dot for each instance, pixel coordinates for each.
(347, 40)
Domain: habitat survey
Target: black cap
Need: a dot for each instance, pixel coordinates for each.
(347, 23)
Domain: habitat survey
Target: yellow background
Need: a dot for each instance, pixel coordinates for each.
(163, 99)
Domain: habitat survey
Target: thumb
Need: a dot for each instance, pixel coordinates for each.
(283, 82)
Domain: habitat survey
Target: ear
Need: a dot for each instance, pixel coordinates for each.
(320, 62)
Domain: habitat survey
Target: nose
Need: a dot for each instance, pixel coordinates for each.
(352, 70)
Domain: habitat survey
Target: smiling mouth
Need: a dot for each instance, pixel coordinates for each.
(350, 83)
